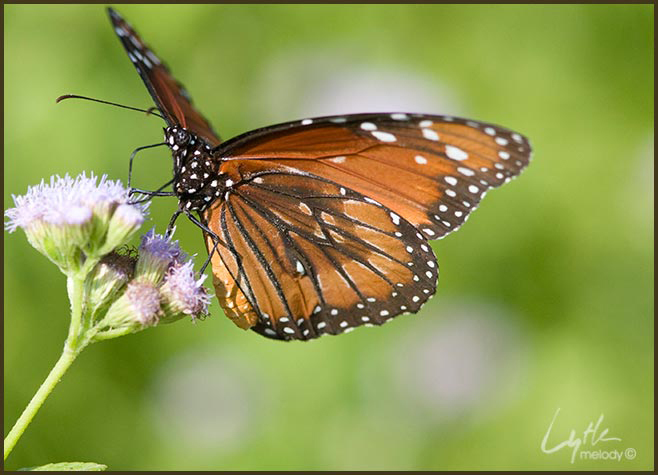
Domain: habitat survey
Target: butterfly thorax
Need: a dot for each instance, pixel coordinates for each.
(197, 182)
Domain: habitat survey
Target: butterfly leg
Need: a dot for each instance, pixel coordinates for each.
(171, 226)
(150, 194)
(132, 157)
(211, 233)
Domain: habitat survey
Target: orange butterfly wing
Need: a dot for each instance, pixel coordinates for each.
(306, 256)
(432, 170)
(288, 273)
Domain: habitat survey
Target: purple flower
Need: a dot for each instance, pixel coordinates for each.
(79, 224)
(183, 293)
(157, 253)
(164, 289)
(70, 219)
(64, 201)
(137, 308)
(144, 300)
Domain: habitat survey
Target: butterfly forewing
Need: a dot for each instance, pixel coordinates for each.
(432, 170)
(311, 256)
(169, 95)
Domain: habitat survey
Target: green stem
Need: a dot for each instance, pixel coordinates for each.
(75, 287)
(75, 343)
(65, 360)
(110, 334)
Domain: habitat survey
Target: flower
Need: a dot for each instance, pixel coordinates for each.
(156, 254)
(69, 219)
(163, 289)
(107, 279)
(125, 221)
(80, 225)
(136, 309)
(183, 293)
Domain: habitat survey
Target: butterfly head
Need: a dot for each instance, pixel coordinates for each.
(196, 179)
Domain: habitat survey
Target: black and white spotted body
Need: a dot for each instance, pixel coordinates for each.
(197, 181)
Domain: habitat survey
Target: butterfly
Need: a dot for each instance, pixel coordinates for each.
(321, 225)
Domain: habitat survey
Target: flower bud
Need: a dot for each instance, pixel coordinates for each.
(107, 279)
(136, 309)
(124, 223)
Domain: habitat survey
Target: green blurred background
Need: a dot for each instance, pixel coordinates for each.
(545, 299)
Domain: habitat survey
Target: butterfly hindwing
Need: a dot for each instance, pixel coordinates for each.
(307, 256)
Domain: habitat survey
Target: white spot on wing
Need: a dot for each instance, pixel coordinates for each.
(465, 171)
(300, 268)
(429, 134)
(305, 208)
(370, 200)
(152, 57)
(455, 153)
(384, 136)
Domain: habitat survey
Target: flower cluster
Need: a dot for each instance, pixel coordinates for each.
(69, 220)
(82, 225)
(163, 288)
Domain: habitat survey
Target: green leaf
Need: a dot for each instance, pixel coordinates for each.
(67, 466)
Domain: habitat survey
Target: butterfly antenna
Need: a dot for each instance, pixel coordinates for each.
(149, 111)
